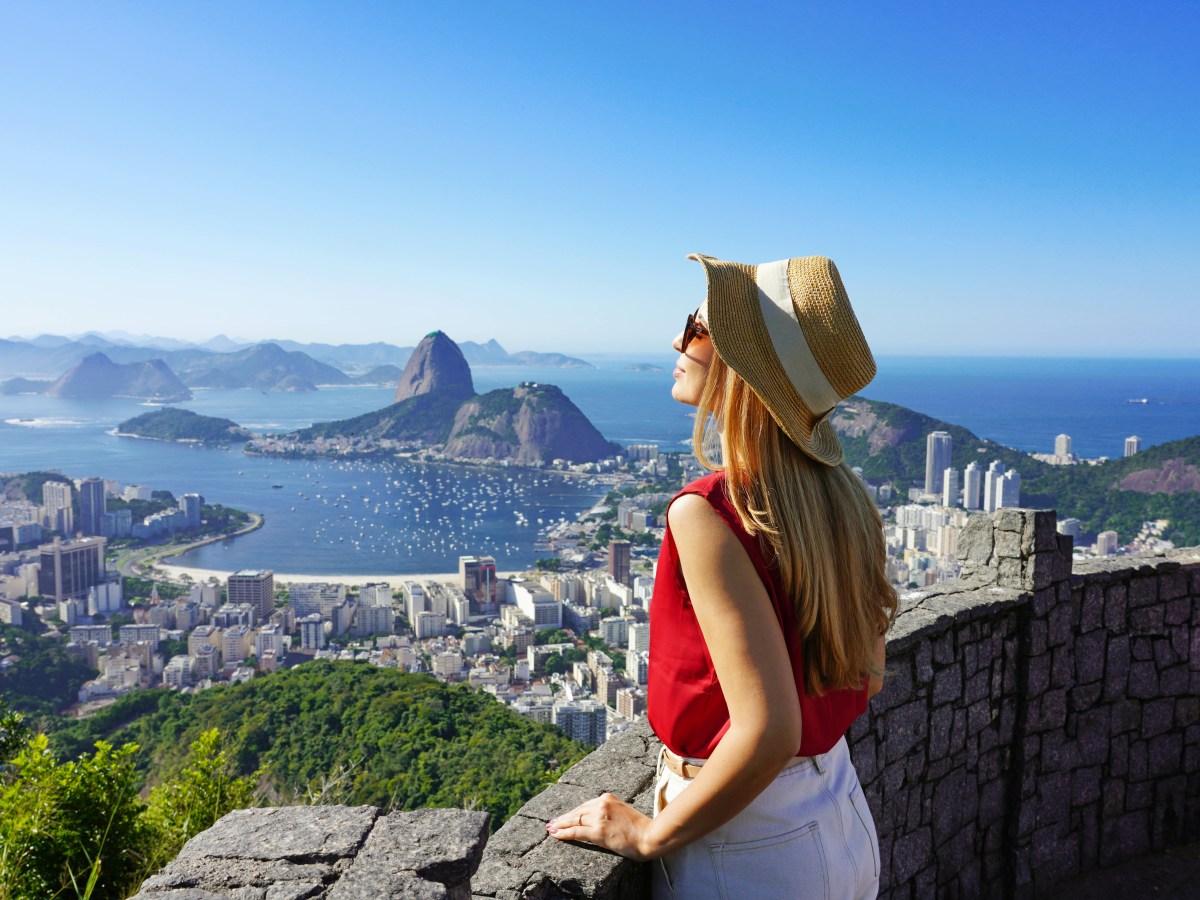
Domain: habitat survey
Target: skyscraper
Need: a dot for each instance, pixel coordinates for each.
(68, 569)
(1008, 490)
(618, 561)
(91, 506)
(1062, 446)
(56, 500)
(1133, 444)
(190, 504)
(478, 575)
(990, 487)
(972, 483)
(253, 587)
(938, 446)
(950, 486)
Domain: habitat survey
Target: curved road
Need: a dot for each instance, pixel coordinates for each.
(134, 561)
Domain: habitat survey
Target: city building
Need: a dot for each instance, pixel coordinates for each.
(938, 447)
(312, 632)
(414, 601)
(11, 612)
(618, 561)
(583, 720)
(1072, 527)
(1133, 444)
(1062, 446)
(319, 597)
(190, 504)
(68, 569)
(478, 574)
(254, 587)
(972, 486)
(990, 486)
(370, 619)
(429, 625)
(950, 486)
(177, 673)
(56, 501)
(639, 638)
(133, 634)
(91, 506)
(536, 604)
(631, 703)
(614, 631)
(1008, 490)
(1106, 543)
(448, 664)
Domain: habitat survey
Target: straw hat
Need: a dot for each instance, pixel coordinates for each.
(787, 328)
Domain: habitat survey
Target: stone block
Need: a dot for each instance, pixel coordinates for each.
(1139, 761)
(1164, 654)
(979, 716)
(1113, 798)
(1147, 619)
(1143, 680)
(975, 542)
(1178, 611)
(1062, 667)
(1009, 519)
(1085, 785)
(1142, 648)
(1143, 591)
(1168, 814)
(1116, 599)
(1091, 608)
(1038, 676)
(1118, 756)
(1010, 573)
(406, 851)
(612, 771)
(1089, 656)
(911, 853)
(1166, 755)
(1062, 624)
(939, 732)
(1187, 711)
(923, 660)
(1092, 735)
(1064, 557)
(1158, 716)
(1085, 696)
(947, 685)
(1139, 795)
(1173, 585)
(977, 687)
(905, 728)
(1173, 682)
(1051, 711)
(1116, 667)
(1038, 643)
(1008, 545)
(309, 833)
(1058, 754)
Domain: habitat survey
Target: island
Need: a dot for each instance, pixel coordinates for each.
(173, 424)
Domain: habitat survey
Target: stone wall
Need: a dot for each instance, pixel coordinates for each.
(1036, 723)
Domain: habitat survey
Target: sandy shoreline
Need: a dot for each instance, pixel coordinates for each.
(202, 575)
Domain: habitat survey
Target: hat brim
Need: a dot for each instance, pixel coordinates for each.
(742, 340)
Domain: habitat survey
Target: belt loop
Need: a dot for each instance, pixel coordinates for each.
(820, 763)
(662, 760)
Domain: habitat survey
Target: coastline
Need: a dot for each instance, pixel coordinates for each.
(198, 575)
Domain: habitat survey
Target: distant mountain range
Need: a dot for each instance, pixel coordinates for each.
(48, 356)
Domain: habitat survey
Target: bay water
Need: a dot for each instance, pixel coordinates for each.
(392, 517)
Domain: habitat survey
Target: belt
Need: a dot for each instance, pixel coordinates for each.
(686, 767)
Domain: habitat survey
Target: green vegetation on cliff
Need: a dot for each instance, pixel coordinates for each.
(44, 679)
(347, 733)
(173, 424)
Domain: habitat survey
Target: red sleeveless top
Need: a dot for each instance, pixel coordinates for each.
(685, 703)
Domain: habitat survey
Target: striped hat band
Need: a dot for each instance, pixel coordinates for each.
(787, 328)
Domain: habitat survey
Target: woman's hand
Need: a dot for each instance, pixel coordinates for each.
(609, 822)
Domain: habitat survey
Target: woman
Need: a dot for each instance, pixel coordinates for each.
(769, 609)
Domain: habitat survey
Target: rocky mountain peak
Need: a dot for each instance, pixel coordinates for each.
(436, 365)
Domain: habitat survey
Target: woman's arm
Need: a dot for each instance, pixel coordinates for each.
(752, 663)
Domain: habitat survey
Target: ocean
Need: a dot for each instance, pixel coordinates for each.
(375, 518)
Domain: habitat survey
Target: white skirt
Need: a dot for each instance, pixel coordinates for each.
(809, 834)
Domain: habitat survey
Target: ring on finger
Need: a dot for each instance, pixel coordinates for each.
(580, 825)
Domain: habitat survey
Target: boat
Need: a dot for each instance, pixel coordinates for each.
(1138, 400)
(277, 486)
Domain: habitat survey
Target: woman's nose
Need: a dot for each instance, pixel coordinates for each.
(677, 343)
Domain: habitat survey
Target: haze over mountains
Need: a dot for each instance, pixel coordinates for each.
(30, 366)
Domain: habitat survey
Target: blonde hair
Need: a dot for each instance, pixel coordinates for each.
(818, 523)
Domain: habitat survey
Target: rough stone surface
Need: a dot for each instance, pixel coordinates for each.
(336, 852)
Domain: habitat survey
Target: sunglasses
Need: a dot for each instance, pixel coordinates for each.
(693, 329)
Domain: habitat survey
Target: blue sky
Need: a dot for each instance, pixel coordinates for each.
(1015, 178)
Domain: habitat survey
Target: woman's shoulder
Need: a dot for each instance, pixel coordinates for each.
(705, 486)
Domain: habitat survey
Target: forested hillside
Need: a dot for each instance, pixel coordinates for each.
(348, 733)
